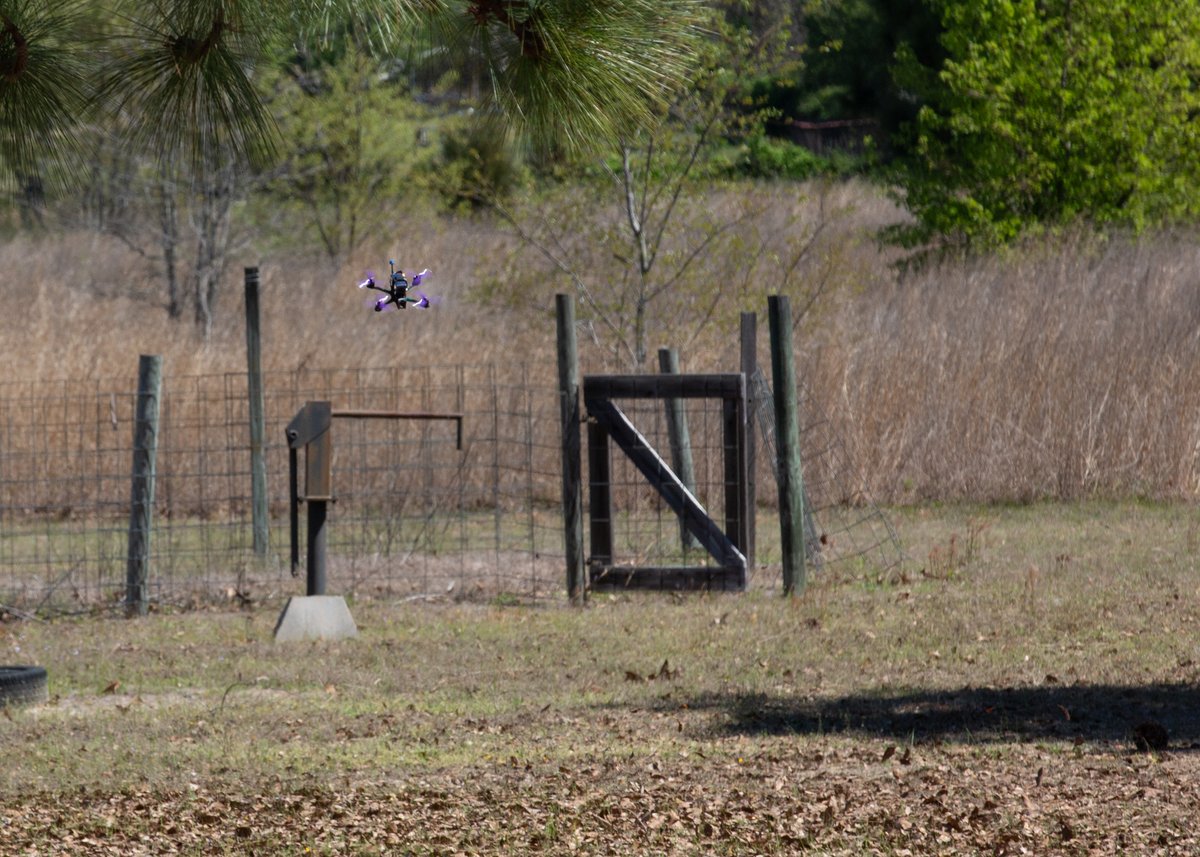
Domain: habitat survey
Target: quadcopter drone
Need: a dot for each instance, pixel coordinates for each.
(395, 293)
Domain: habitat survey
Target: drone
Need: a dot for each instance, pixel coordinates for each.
(395, 293)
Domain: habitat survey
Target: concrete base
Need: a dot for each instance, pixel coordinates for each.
(315, 617)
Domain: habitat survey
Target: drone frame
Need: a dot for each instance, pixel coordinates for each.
(396, 292)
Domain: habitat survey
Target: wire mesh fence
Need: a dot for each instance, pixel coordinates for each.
(844, 530)
(645, 530)
(414, 514)
(842, 525)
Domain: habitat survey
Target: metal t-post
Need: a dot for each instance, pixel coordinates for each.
(680, 440)
(254, 383)
(572, 472)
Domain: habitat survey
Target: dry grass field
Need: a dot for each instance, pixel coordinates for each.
(1032, 419)
(986, 700)
(1065, 368)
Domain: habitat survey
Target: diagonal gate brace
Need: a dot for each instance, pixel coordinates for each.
(667, 484)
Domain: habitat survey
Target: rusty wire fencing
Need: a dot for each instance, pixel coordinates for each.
(414, 516)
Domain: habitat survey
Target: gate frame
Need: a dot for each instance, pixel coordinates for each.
(731, 547)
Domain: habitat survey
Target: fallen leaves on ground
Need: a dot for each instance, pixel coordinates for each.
(853, 799)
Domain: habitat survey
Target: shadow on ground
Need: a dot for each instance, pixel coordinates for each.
(1132, 714)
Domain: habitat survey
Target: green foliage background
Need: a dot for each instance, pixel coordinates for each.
(1047, 112)
(356, 145)
(988, 119)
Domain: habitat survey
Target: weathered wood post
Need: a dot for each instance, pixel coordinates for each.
(749, 360)
(258, 461)
(680, 440)
(141, 507)
(787, 439)
(572, 472)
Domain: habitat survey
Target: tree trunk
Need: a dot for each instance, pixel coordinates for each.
(212, 243)
(168, 222)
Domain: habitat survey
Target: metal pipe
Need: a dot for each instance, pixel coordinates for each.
(317, 544)
(355, 413)
(359, 414)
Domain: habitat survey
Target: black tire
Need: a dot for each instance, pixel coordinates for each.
(22, 686)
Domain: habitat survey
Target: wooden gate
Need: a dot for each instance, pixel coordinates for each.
(728, 545)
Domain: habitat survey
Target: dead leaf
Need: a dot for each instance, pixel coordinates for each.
(630, 675)
(889, 752)
(112, 686)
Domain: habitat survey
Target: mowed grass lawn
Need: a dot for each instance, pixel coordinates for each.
(995, 696)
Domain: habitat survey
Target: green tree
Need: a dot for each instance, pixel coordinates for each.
(178, 80)
(354, 143)
(43, 87)
(851, 53)
(1050, 111)
(644, 245)
(181, 71)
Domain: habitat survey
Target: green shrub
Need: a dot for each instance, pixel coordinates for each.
(477, 166)
(767, 158)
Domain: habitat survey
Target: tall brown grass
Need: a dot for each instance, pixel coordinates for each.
(1065, 368)
(79, 304)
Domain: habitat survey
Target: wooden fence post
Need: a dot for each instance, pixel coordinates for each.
(749, 360)
(258, 461)
(680, 440)
(787, 439)
(572, 472)
(141, 507)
